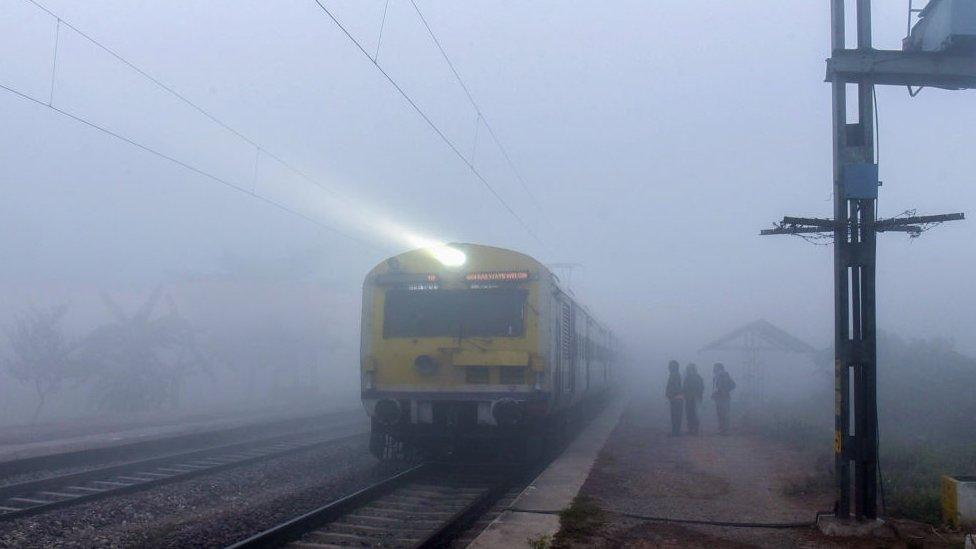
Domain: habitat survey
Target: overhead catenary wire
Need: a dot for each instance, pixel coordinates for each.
(477, 108)
(440, 133)
(379, 39)
(187, 166)
(183, 98)
(259, 149)
(54, 60)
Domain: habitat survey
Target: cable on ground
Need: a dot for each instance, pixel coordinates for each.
(702, 522)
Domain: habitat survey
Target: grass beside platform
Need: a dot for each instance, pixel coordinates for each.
(911, 472)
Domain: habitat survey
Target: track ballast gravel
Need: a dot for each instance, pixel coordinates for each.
(207, 511)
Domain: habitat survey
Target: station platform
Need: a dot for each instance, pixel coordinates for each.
(554, 489)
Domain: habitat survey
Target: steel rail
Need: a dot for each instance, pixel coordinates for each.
(420, 508)
(186, 441)
(293, 529)
(398, 511)
(38, 496)
(464, 518)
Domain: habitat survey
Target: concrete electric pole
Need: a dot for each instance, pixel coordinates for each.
(854, 226)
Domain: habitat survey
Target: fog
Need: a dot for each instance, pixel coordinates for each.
(657, 139)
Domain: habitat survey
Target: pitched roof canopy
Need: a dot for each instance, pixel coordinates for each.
(759, 335)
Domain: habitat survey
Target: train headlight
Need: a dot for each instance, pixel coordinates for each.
(506, 411)
(387, 412)
(369, 379)
(448, 256)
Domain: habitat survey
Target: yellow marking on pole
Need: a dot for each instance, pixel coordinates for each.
(950, 501)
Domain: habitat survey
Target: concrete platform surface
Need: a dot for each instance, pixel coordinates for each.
(554, 489)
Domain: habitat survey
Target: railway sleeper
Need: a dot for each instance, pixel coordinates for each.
(430, 495)
(425, 514)
(32, 501)
(420, 501)
(86, 489)
(62, 495)
(372, 531)
(432, 489)
(133, 479)
(381, 522)
(112, 483)
(345, 540)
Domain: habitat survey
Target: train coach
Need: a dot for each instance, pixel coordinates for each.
(472, 347)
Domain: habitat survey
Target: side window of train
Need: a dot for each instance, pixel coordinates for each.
(567, 344)
(555, 337)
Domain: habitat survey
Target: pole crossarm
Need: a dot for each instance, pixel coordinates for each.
(793, 230)
(810, 221)
(801, 225)
(902, 68)
(886, 224)
(913, 230)
(914, 225)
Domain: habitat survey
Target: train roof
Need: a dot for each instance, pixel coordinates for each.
(425, 259)
(477, 257)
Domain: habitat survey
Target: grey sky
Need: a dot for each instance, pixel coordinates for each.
(658, 136)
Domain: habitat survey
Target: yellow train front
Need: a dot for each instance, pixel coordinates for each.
(474, 348)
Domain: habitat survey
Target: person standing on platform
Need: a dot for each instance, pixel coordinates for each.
(675, 397)
(694, 391)
(722, 386)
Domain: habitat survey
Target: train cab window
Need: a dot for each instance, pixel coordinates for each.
(493, 312)
(476, 374)
(512, 376)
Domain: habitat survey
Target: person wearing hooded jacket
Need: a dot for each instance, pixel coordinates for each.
(675, 396)
(694, 391)
(722, 386)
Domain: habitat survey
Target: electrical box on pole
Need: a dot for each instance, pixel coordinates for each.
(944, 26)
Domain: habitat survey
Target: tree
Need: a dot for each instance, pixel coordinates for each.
(42, 354)
(141, 361)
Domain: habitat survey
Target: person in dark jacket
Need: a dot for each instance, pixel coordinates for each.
(675, 397)
(722, 386)
(694, 391)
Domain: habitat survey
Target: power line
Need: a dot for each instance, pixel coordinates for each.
(181, 97)
(477, 108)
(258, 148)
(379, 40)
(430, 123)
(186, 165)
(54, 61)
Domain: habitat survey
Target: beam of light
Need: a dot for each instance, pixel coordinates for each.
(448, 256)
(349, 213)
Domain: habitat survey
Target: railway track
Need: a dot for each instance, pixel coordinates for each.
(137, 448)
(37, 496)
(426, 506)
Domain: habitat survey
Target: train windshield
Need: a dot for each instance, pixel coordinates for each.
(495, 312)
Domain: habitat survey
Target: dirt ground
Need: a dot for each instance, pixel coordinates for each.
(733, 478)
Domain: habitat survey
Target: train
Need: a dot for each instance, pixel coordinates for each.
(474, 348)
